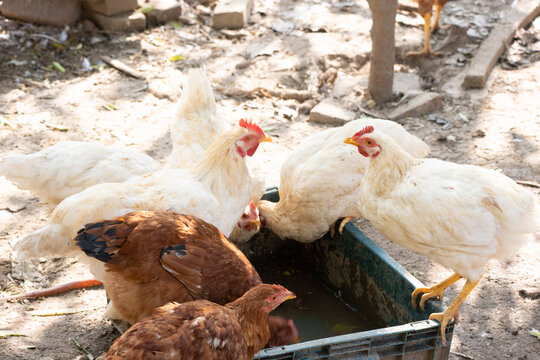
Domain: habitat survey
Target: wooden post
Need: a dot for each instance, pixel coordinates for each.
(381, 74)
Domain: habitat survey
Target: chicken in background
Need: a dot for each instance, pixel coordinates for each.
(203, 330)
(282, 332)
(216, 190)
(424, 9)
(321, 178)
(141, 250)
(69, 167)
(460, 216)
(248, 225)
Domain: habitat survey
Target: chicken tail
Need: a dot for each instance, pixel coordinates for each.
(45, 242)
(197, 96)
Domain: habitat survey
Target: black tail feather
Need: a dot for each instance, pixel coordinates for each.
(93, 245)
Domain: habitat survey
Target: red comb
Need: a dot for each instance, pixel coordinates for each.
(279, 288)
(252, 206)
(368, 129)
(251, 125)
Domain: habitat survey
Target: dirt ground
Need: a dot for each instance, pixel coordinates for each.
(288, 45)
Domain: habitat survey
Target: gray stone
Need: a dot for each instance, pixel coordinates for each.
(406, 83)
(419, 105)
(163, 10)
(110, 7)
(330, 112)
(46, 12)
(231, 14)
(123, 22)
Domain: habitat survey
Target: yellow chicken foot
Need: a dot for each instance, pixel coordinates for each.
(344, 222)
(451, 311)
(434, 291)
(426, 51)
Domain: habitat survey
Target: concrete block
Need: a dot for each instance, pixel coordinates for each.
(330, 112)
(232, 14)
(45, 12)
(110, 7)
(498, 40)
(123, 22)
(419, 105)
(163, 10)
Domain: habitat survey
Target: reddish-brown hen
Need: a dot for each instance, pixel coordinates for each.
(201, 329)
(155, 257)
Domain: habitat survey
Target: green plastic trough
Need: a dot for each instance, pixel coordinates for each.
(354, 267)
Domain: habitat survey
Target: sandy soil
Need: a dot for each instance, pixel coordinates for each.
(497, 127)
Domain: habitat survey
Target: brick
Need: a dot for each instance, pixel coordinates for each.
(421, 104)
(110, 7)
(123, 22)
(330, 112)
(163, 11)
(45, 12)
(232, 14)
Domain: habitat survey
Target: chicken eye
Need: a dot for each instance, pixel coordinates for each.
(368, 142)
(248, 138)
(274, 298)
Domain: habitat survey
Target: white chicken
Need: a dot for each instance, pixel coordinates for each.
(69, 167)
(321, 178)
(460, 216)
(216, 190)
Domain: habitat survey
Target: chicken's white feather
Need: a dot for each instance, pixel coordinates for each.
(457, 215)
(320, 180)
(69, 167)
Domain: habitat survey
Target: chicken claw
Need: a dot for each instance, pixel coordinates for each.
(451, 312)
(343, 223)
(444, 318)
(434, 291)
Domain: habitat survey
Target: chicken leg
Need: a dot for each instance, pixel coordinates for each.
(452, 310)
(427, 51)
(435, 25)
(434, 291)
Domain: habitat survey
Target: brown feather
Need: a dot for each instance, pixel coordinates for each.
(213, 268)
(200, 330)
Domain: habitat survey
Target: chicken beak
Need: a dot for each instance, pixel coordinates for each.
(255, 222)
(288, 296)
(265, 139)
(350, 141)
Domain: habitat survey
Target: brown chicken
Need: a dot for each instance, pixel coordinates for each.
(424, 9)
(155, 257)
(201, 329)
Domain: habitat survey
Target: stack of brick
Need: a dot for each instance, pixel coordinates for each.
(110, 15)
(120, 15)
(45, 12)
(115, 15)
